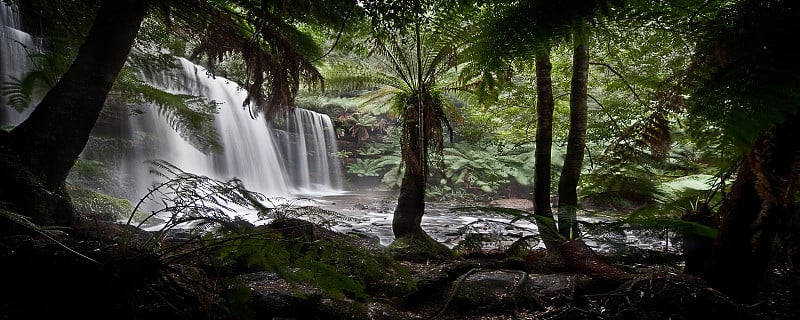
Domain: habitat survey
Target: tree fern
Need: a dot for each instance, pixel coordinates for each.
(366, 167)
(276, 52)
(485, 168)
(745, 74)
(22, 92)
(191, 116)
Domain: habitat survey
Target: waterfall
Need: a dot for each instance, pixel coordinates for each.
(15, 46)
(296, 157)
(309, 145)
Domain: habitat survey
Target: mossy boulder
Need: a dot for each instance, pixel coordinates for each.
(420, 248)
(98, 205)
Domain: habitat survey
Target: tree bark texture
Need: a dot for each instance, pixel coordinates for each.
(576, 139)
(44, 147)
(411, 201)
(761, 204)
(544, 143)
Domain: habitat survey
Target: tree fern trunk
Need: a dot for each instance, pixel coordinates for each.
(45, 146)
(576, 141)
(544, 142)
(760, 203)
(411, 201)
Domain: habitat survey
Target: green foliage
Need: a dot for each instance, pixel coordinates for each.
(282, 209)
(511, 119)
(663, 216)
(366, 167)
(290, 258)
(101, 206)
(423, 70)
(187, 200)
(297, 250)
(678, 197)
(537, 25)
(746, 82)
(32, 85)
(20, 92)
(486, 168)
(90, 174)
(191, 116)
(380, 158)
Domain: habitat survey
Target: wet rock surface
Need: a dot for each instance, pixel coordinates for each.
(272, 297)
(494, 290)
(490, 287)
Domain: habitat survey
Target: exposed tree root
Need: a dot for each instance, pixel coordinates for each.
(579, 258)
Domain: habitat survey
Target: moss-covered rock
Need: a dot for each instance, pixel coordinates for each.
(420, 248)
(338, 264)
(101, 206)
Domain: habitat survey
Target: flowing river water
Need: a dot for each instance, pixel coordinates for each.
(369, 214)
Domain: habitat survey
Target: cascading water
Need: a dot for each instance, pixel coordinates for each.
(297, 159)
(300, 158)
(15, 47)
(309, 151)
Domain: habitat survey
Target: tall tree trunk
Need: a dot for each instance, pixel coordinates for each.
(411, 242)
(411, 201)
(760, 203)
(407, 217)
(544, 143)
(576, 141)
(791, 241)
(44, 147)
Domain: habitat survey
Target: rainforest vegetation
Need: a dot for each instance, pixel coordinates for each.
(672, 118)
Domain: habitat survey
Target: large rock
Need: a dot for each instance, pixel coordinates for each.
(273, 297)
(511, 291)
(557, 289)
(493, 291)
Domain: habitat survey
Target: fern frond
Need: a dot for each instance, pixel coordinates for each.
(380, 101)
(22, 92)
(191, 116)
(47, 232)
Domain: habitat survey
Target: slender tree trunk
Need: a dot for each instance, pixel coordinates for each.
(40, 151)
(576, 141)
(544, 143)
(761, 202)
(411, 201)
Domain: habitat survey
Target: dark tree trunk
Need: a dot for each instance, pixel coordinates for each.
(411, 242)
(760, 203)
(411, 201)
(544, 143)
(791, 241)
(576, 140)
(39, 153)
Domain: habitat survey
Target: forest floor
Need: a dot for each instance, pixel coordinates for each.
(90, 272)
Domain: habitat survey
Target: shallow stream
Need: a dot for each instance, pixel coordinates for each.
(372, 215)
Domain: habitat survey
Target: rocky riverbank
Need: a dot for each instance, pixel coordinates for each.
(95, 271)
